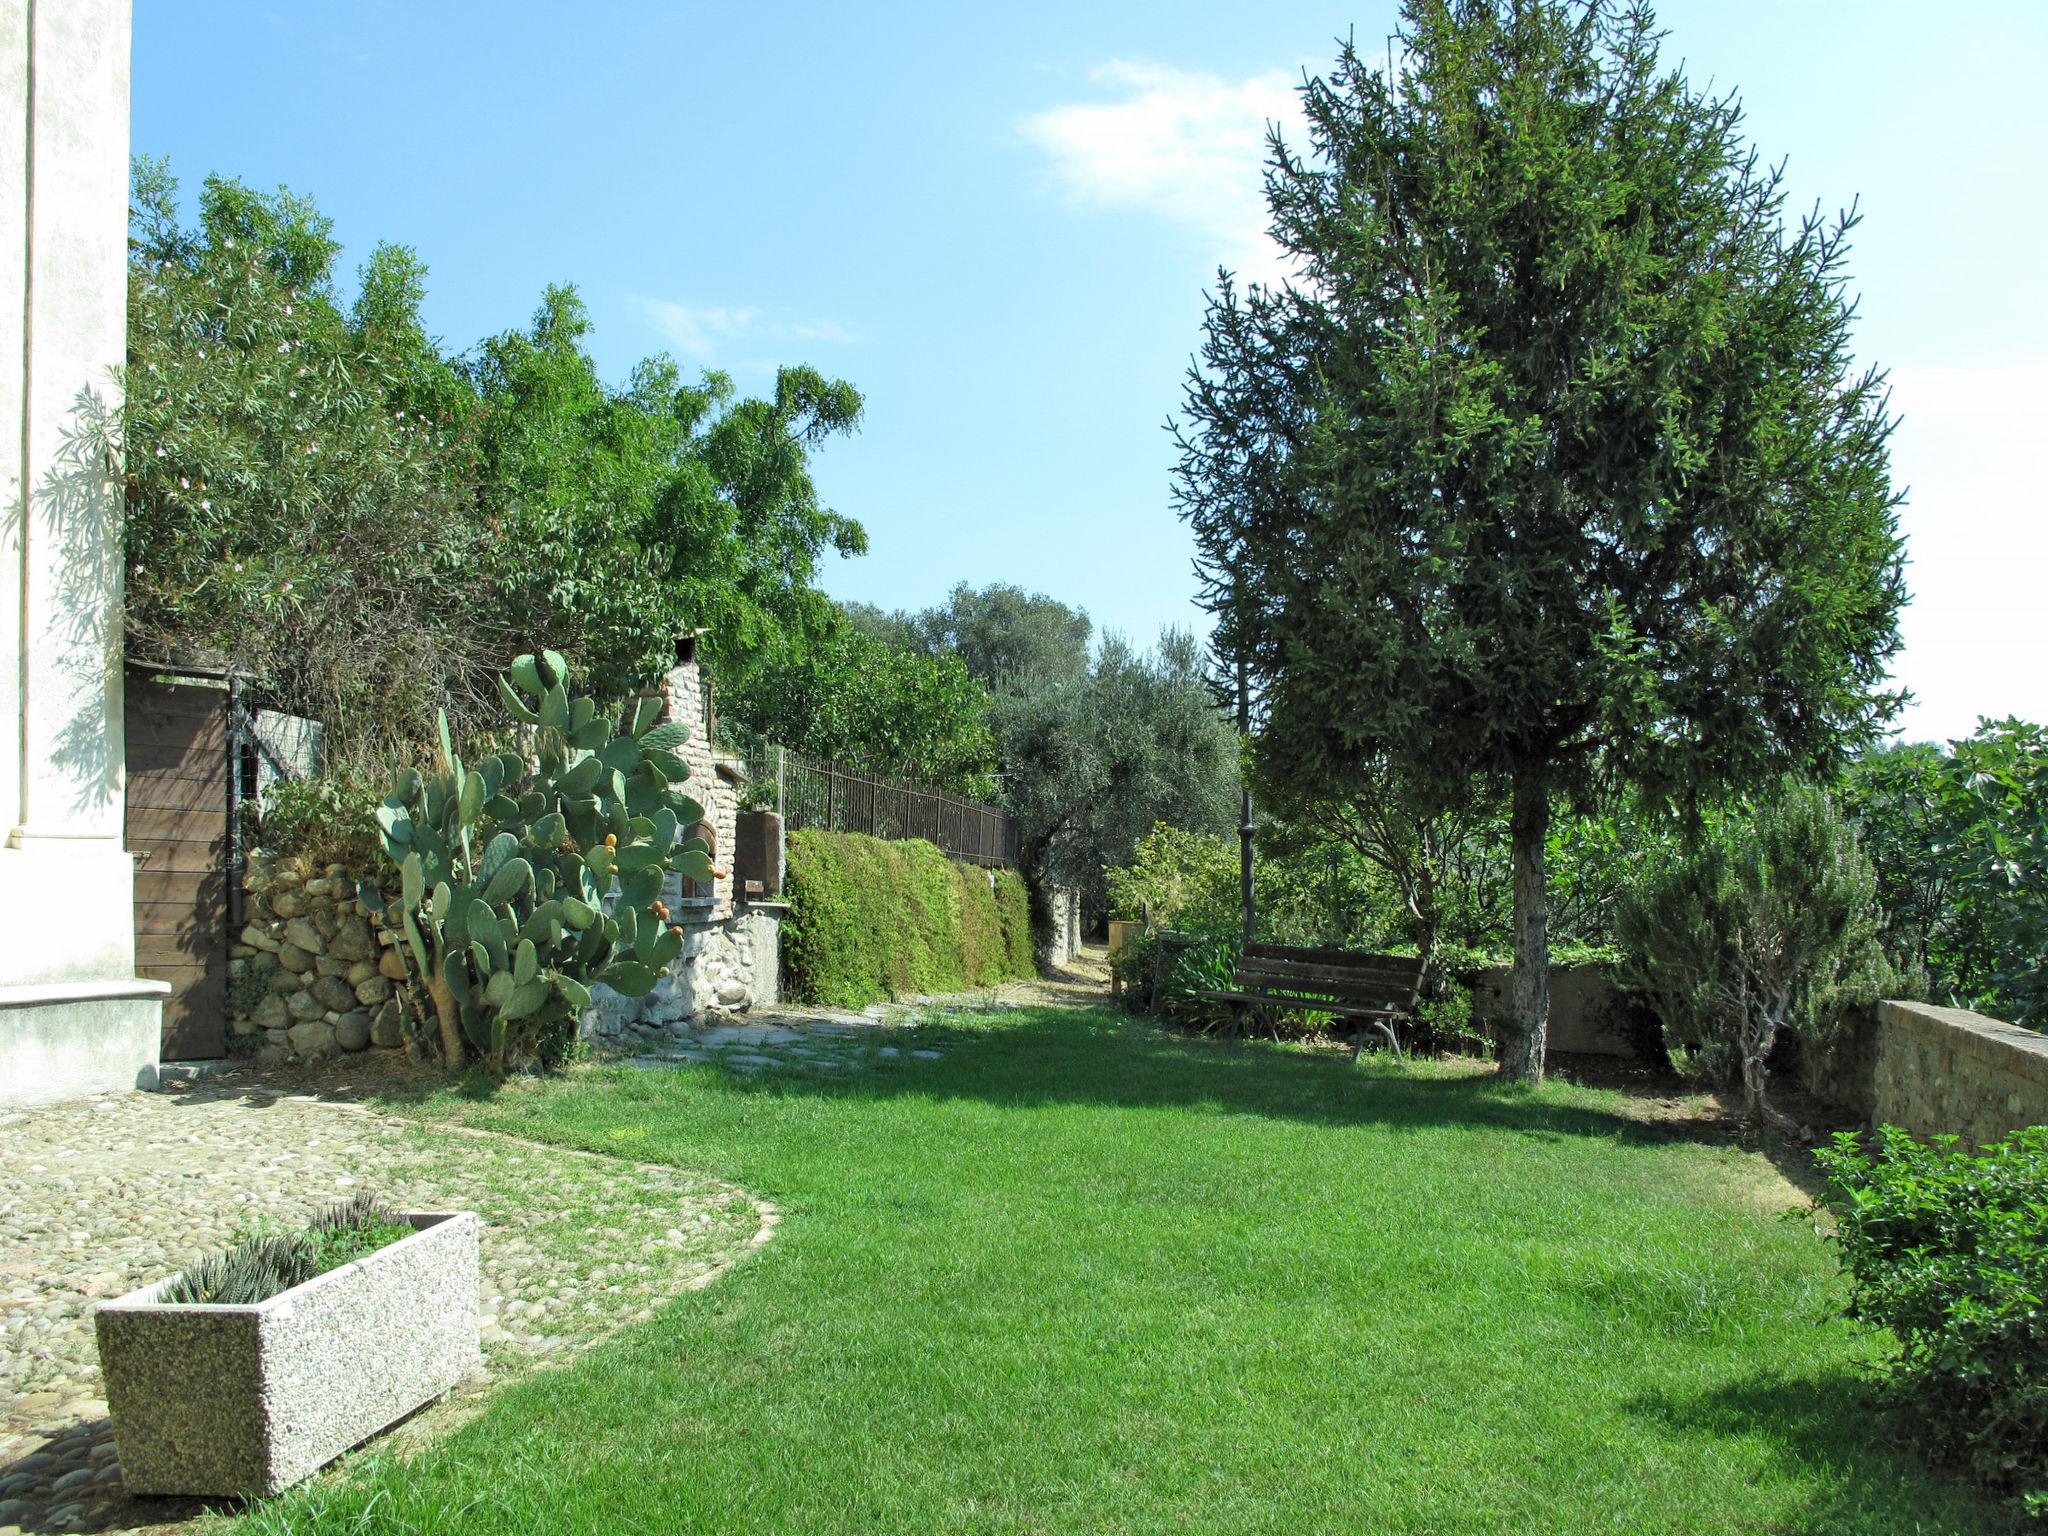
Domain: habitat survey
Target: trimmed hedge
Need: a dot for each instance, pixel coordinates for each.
(870, 920)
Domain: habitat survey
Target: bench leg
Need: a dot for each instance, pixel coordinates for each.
(1387, 1030)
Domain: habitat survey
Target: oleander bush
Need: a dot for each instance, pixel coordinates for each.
(871, 919)
(1948, 1249)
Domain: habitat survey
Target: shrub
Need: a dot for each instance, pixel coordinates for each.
(1949, 1250)
(327, 819)
(1770, 923)
(871, 919)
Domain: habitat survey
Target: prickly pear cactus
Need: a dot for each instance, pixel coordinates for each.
(525, 881)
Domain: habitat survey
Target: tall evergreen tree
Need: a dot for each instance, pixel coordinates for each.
(1549, 465)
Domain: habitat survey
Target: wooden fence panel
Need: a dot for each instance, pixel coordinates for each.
(177, 828)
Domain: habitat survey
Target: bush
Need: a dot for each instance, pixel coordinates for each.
(328, 819)
(1769, 923)
(1950, 1252)
(871, 919)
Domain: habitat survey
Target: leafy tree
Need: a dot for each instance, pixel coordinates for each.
(1768, 924)
(1960, 842)
(1093, 749)
(1548, 468)
(627, 516)
(319, 497)
(297, 497)
(851, 697)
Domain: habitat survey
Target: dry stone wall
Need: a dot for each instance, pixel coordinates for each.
(313, 971)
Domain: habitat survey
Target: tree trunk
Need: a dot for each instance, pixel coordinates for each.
(451, 1021)
(1522, 1047)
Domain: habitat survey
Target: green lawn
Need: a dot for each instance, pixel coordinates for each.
(1082, 1275)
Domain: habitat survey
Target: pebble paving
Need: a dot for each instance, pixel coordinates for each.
(99, 1196)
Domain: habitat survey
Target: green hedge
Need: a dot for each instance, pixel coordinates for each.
(871, 919)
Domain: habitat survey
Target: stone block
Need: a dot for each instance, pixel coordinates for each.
(387, 1026)
(372, 989)
(314, 1037)
(300, 931)
(352, 1030)
(352, 939)
(294, 959)
(303, 1006)
(392, 964)
(334, 993)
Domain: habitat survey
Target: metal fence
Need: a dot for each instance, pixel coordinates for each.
(837, 798)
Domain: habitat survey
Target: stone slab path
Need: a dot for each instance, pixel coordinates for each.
(102, 1195)
(834, 1042)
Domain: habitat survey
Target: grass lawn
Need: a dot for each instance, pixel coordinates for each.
(1082, 1275)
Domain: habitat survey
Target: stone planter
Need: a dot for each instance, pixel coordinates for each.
(218, 1401)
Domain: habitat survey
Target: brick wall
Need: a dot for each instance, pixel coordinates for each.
(686, 697)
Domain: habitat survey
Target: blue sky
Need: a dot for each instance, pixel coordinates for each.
(998, 223)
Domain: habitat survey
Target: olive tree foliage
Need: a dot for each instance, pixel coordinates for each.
(1093, 745)
(1770, 921)
(1549, 469)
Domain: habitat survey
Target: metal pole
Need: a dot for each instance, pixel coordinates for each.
(1244, 825)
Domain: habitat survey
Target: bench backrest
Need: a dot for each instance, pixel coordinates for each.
(1386, 982)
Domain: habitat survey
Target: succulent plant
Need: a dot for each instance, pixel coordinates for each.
(524, 881)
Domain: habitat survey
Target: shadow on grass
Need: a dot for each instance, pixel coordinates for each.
(1878, 1483)
(1031, 1057)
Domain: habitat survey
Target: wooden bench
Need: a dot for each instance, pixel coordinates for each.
(1374, 990)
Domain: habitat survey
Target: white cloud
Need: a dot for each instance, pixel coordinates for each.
(699, 332)
(1180, 144)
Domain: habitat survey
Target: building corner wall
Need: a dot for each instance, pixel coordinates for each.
(73, 1017)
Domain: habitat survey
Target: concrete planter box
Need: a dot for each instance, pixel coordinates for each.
(219, 1401)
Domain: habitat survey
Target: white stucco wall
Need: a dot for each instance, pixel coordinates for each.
(66, 883)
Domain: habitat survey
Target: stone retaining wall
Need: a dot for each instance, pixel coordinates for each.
(1587, 1011)
(1936, 1071)
(313, 970)
(728, 965)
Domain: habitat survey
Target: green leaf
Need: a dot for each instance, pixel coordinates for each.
(672, 769)
(525, 999)
(498, 989)
(525, 962)
(578, 914)
(572, 991)
(665, 737)
(501, 848)
(474, 793)
(636, 856)
(447, 742)
(628, 978)
(645, 713)
(511, 879)
(515, 706)
(554, 709)
(412, 886)
(525, 671)
(419, 945)
(455, 972)
(557, 669)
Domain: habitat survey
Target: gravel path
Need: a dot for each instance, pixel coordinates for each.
(99, 1196)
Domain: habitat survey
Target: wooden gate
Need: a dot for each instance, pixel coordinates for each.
(178, 830)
